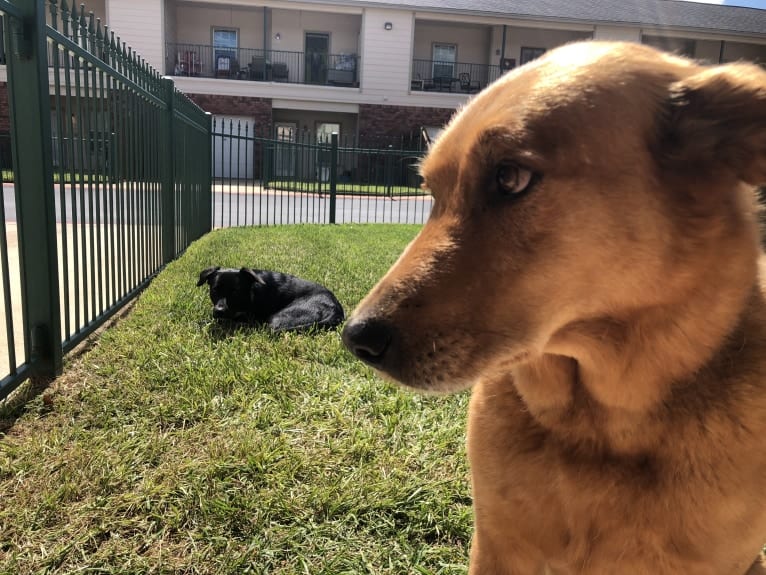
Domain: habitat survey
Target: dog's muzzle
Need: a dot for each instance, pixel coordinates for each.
(375, 342)
(220, 309)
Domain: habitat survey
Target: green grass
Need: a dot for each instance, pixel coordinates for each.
(173, 445)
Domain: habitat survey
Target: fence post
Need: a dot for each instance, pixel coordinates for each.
(30, 112)
(333, 174)
(207, 222)
(168, 178)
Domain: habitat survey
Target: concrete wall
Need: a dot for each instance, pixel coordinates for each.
(733, 51)
(195, 24)
(617, 33)
(292, 25)
(517, 37)
(708, 50)
(472, 41)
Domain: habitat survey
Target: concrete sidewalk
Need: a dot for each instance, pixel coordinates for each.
(16, 317)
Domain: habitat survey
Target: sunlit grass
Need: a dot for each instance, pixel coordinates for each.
(178, 446)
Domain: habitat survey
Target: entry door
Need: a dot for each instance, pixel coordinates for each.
(284, 153)
(233, 154)
(317, 57)
(225, 43)
(324, 162)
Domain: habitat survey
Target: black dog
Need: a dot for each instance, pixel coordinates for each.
(281, 301)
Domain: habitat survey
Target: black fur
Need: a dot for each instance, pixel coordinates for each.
(281, 301)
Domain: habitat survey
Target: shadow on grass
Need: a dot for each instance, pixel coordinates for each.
(221, 329)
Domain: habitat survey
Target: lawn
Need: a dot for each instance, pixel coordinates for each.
(176, 445)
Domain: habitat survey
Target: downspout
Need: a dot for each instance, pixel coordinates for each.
(720, 52)
(502, 46)
(266, 35)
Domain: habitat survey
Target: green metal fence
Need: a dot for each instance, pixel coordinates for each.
(111, 180)
(272, 175)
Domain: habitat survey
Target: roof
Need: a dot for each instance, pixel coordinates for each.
(662, 13)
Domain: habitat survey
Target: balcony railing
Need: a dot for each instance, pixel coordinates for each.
(263, 65)
(462, 77)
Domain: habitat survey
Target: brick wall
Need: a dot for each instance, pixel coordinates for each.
(376, 122)
(258, 108)
(380, 122)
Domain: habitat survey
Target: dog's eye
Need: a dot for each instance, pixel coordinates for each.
(513, 180)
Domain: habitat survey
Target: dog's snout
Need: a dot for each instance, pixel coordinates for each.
(371, 340)
(220, 308)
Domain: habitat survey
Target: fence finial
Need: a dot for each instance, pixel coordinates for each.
(100, 36)
(83, 21)
(92, 31)
(53, 9)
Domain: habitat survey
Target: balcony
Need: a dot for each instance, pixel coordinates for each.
(260, 65)
(459, 77)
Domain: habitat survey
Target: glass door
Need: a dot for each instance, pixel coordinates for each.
(285, 156)
(444, 56)
(225, 43)
(317, 56)
(324, 155)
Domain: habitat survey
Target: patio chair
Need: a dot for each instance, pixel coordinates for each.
(279, 72)
(468, 85)
(188, 63)
(417, 83)
(258, 68)
(222, 66)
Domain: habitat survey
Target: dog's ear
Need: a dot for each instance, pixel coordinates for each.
(250, 275)
(206, 274)
(717, 121)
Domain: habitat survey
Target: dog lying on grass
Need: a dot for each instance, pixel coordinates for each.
(281, 301)
(591, 268)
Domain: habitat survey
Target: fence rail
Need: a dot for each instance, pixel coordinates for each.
(111, 179)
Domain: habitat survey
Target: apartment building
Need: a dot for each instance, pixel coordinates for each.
(386, 68)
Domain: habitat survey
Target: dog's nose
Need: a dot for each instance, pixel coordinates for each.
(220, 308)
(370, 340)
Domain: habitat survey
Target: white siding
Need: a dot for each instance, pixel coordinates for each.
(386, 54)
(141, 25)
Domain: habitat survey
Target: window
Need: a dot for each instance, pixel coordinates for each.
(444, 57)
(529, 54)
(225, 43)
(325, 130)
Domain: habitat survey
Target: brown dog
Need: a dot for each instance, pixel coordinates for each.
(590, 266)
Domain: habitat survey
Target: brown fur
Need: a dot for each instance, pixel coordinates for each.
(611, 321)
